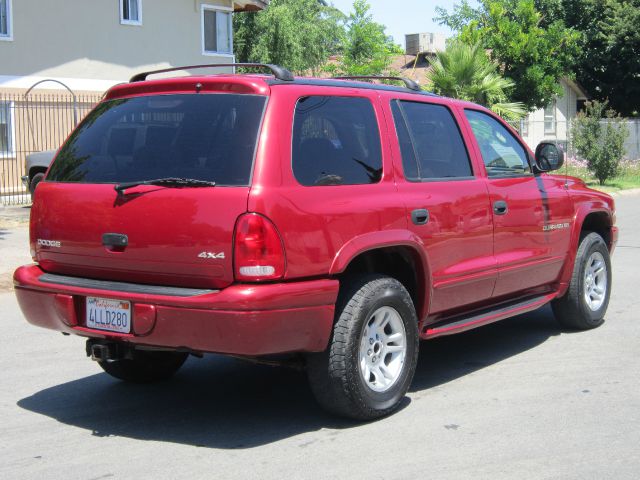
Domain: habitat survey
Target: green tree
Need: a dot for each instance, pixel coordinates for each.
(365, 48)
(297, 34)
(598, 136)
(608, 63)
(466, 72)
(529, 49)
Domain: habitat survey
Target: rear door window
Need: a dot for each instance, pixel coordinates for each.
(208, 137)
(430, 142)
(336, 141)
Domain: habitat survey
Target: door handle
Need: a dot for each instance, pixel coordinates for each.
(500, 207)
(420, 216)
(117, 240)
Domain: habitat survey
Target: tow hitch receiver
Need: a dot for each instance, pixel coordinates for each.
(101, 351)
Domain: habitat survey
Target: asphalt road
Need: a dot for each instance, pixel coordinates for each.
(515, 400)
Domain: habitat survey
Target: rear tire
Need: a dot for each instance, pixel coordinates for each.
(145, 366)
(584, 305)
(369, 364)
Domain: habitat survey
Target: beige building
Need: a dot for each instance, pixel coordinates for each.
(89, 46)
(93, 44)
(554, 121)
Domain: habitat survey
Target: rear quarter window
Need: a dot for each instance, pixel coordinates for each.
(336, 141)
(208, 137)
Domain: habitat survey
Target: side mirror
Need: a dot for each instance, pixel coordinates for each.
(549, 157)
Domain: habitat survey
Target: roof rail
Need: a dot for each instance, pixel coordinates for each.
(410, 84)
(278, 72)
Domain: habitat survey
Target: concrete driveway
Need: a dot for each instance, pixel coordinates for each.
(518, 399)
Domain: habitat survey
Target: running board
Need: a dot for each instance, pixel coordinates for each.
(461, 324)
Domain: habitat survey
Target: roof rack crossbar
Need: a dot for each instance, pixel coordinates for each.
(410, 84)
(279, 72)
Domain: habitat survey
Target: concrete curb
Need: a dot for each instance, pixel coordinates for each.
(624, 193)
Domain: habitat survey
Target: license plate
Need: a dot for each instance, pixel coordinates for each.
(108, 314)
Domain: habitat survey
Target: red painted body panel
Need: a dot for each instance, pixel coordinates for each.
(316, 222)
(465, 257)
(585, 202)
(251, 84)
(167, 229)
(525, 253)
(242, 319)
(458, 238)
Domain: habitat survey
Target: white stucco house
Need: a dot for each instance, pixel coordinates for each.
(554, 121)
(92, 45)
(89, 46)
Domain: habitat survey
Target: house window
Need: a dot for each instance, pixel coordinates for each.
(550, 118)
(131, 12)
(6, 31)
(6, 129)
(216, 31)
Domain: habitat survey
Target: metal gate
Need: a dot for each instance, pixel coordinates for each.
(34, 122)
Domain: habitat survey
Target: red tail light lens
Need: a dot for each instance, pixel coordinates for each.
(258, 250)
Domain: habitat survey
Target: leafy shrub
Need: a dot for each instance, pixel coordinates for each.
(598, 136)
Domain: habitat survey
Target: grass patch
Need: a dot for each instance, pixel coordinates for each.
(628, 177)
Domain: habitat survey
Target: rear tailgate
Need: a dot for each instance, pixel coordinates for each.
(178, 237)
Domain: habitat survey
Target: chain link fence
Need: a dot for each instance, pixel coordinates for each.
(34, 123)
(533, 132)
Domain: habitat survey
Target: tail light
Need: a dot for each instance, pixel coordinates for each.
(258, 250)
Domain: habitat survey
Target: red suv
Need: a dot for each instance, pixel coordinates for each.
(335, 220)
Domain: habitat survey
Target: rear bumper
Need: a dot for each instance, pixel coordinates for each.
(240, 319)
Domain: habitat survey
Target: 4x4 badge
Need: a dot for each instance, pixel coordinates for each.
(211, 255)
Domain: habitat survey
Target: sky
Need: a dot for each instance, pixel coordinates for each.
(403, 16)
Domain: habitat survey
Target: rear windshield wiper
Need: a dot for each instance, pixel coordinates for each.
(165, 182)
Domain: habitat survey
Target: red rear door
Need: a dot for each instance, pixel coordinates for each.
(447, 205)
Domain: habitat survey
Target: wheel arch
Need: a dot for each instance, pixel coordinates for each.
(588, 218)
(397, 253)
(599, 222)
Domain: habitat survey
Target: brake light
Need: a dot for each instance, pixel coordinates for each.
(258, 250)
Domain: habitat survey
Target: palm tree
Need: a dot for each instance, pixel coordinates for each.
(466, 72)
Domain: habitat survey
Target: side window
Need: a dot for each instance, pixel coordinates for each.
(430, 142)
(335, 141)
(501, 152)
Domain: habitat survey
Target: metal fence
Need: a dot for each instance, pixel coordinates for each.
(41, 121)
(533, 132)
(34, 123)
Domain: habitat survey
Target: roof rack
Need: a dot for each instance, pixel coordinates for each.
(278, 72)
(410, 84)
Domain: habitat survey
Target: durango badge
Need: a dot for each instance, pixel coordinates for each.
(554, 226)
